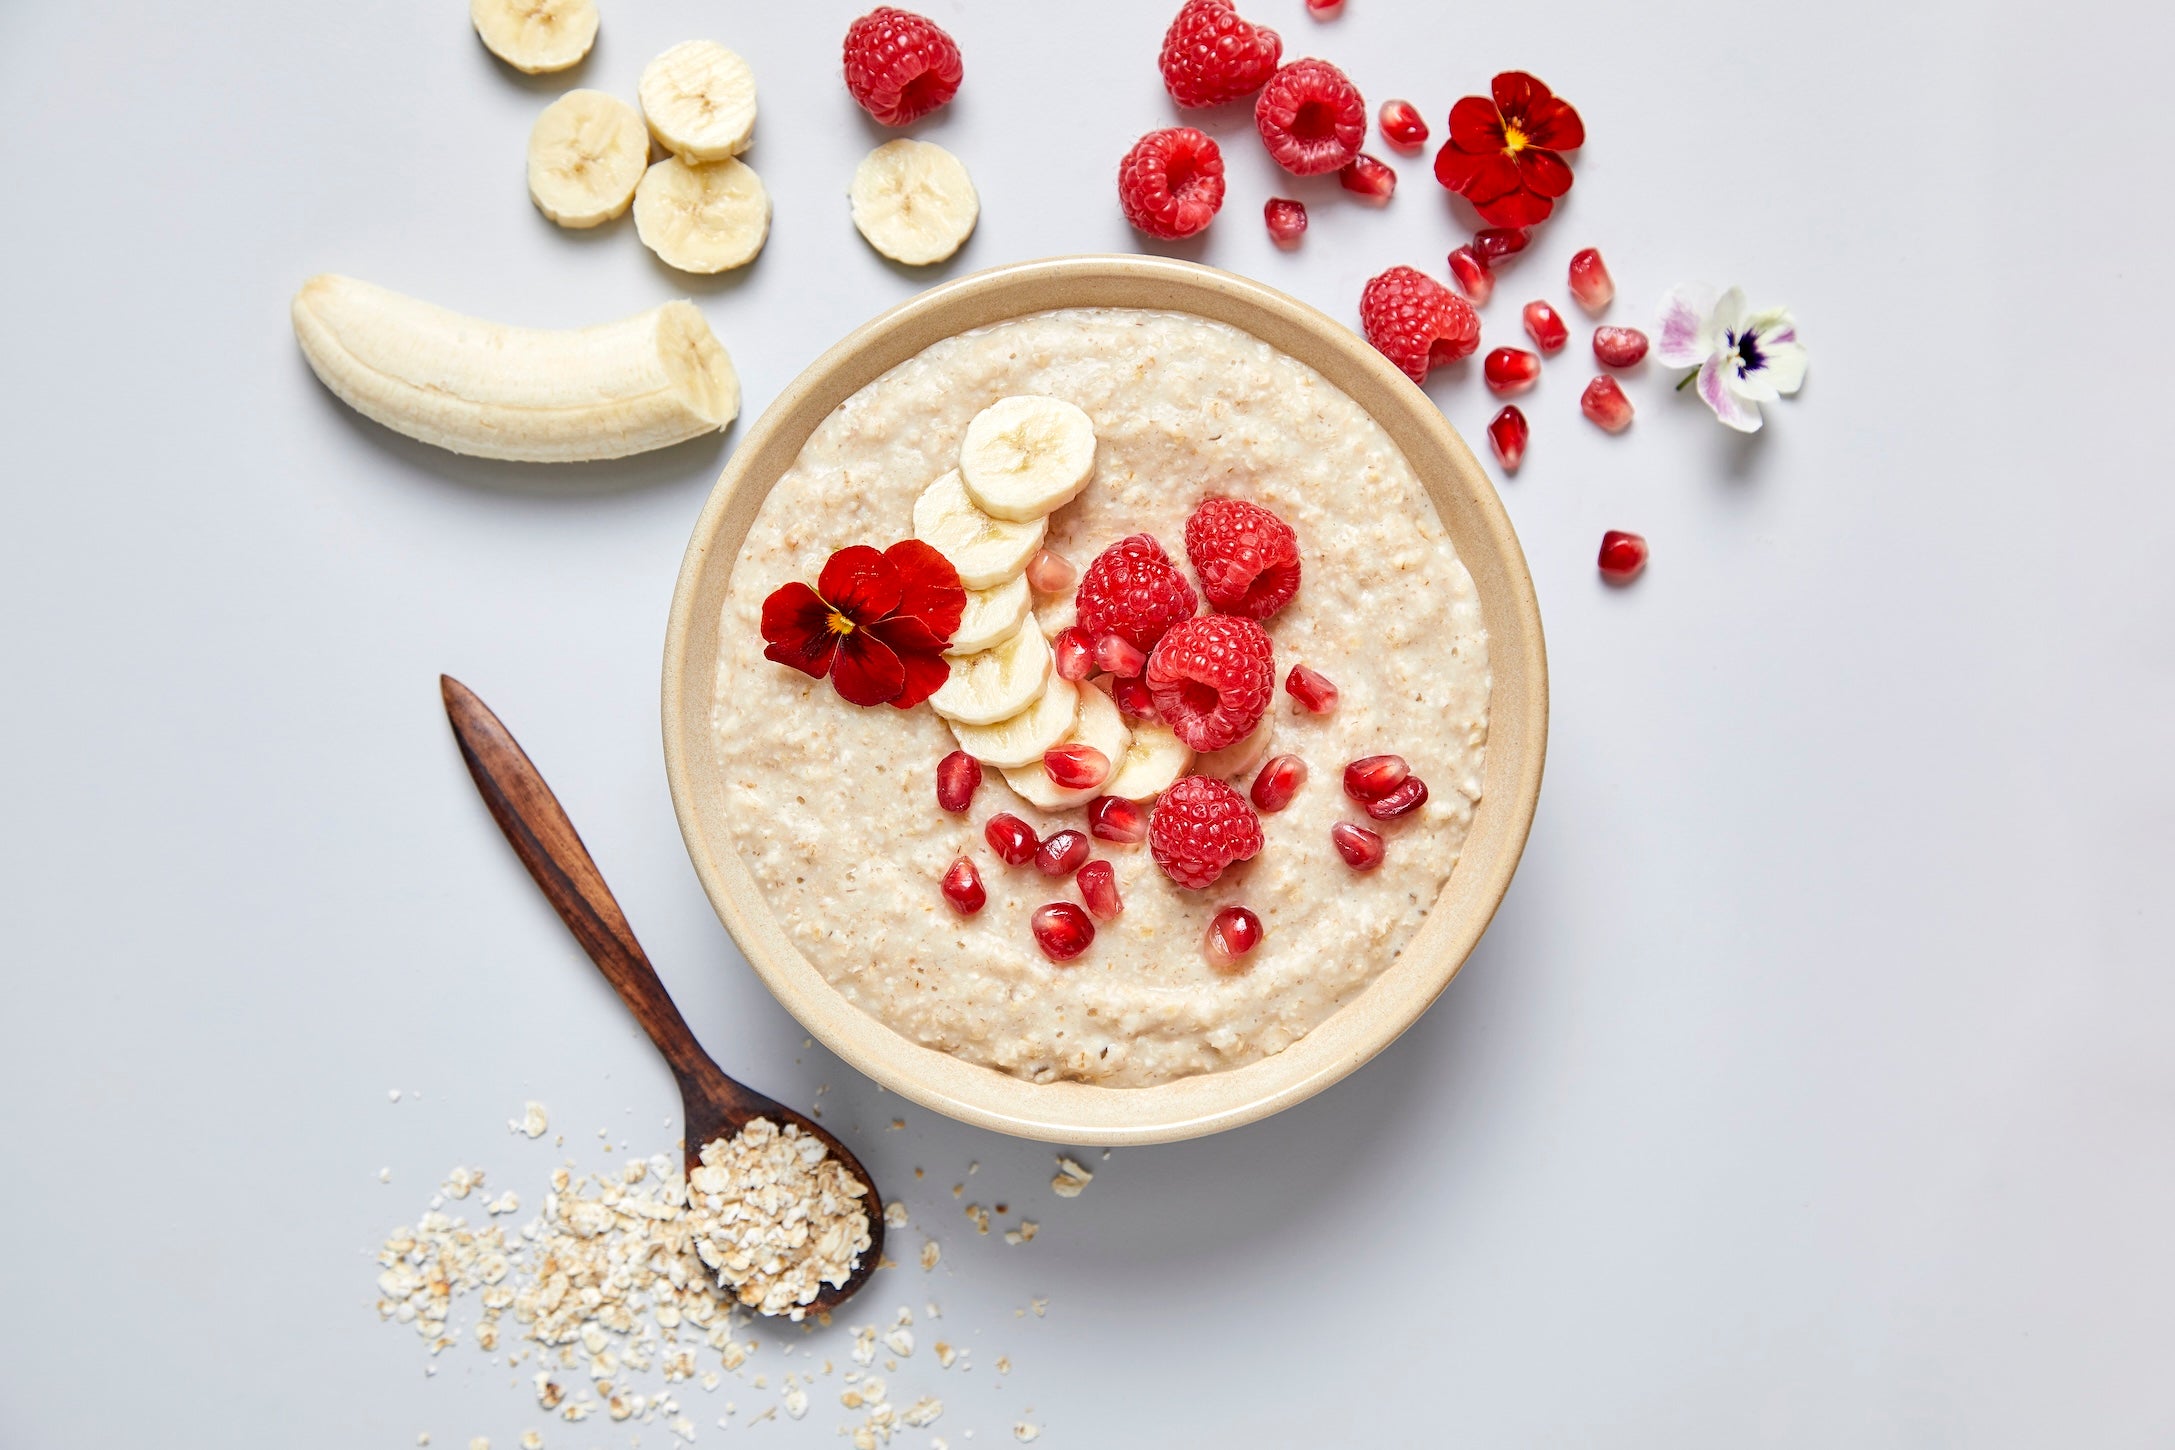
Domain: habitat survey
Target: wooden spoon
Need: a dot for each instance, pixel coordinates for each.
(712, 1104)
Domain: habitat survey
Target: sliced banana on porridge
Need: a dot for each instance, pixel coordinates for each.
(986, 551)
(1154, 758)
(587, 152)
(993, 615)
(914, 202)
(704, 218)
(1027, 456)
(1240, 756)
(1057, 615)
(995, 684)
(1021, 739)
(1098, 724)
(699, 100)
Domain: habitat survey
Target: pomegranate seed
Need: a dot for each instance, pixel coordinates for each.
(1361, 848)
(1114, 818)
(1546, 327)
(1278, 782)
(1325, 9)
(1011, 838)
(1287, 220)
(1312, 689)
(1062, 930)
(1511, 370)
(1402, 126)
(1472, 275)
(963, 887)
(1622, 556)
(1591, 283)
(1075, 766)
(1098, 883)
(1061, 855)
(1605, 403)
(1134, 699)
(1118, 656)
(1073, 660)
(1232, 934)
(1404, 800)
(958, 777)
(1368, 177)
(1050, 572)
(1507, 434)
(1369, 778)
(1496, 243)
(1619, 347)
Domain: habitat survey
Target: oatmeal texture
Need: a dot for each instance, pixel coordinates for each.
(839, 823)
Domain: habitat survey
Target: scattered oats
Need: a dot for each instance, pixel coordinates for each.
(980, 1216)
(918, 1174)
(385, 1175)
(778, 1217)
(393, 1094)
(930, 1309)
(423, 1439)
(1039, 1306)
(895, 1214)
(762, 1381)
(480, 1442)
(532, 1440)
(1070, 1179)
(922, 1412)
(945, 1354)
(796, 1402)
(930, 1253)
(1004, 1364)
(900, 1341)
(1024, 1432)
(711, 1379)
(507, 1202)
(548, 1391)
(770, 1413)
(1024, 1234)
(683, 1427)
(959, 1190)
(885, 1261)
(864, 1344)
(897, 1123)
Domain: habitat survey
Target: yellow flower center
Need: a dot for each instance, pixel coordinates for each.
(839, 624)
(1514, 140)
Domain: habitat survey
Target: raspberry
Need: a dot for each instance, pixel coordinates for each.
(1210, 55)
(1133, 591)
(1171, 183)
(1199, 827)
(1213, 678)
(1247, 557)
(1416, 322)
(1311, 117)
(900, 66)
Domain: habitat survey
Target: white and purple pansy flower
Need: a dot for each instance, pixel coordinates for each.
(1745, 358)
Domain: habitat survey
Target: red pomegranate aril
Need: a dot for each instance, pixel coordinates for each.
(1278, 782)
(1116, 655)
(1605, 403)
(1511, 370)
(1372, 777)
(1407, 798)
(1062, 930)
(1232, 935)
(1495, 243)
(1312, 689)
(1050, 572)
(1622, 556)
(1098, 883)
(1402, 126)
(1591, 283)
(1325, 9)
(1368, 177)
(1011, 838)
(1361, 848)
(1114, 818)
(1075, 766)
(1134, 699)
(1546, 327)
(1473, 275)
(962, 887)
(958, 777)
(1619, 347)
(1062, 854)
(1287, 220)
(1071, 656)
(1507, 434)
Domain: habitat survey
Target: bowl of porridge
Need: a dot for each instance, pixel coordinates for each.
(1199, 734)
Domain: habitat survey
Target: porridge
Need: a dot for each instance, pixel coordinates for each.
(837, 804)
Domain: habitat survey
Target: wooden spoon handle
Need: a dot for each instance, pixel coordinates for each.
(546, 842)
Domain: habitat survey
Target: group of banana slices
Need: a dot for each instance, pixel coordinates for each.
(1022, 459)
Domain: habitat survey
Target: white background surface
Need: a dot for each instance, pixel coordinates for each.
(1813, 1088)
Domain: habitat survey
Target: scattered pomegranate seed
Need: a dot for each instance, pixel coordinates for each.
(1368, 778)
(1134, 699)
(1232, 934)
(1591, 283)
(1074, 660)
(1402, 126)
(958, 777)
(1278, 782)
(1011, 838)
(1511, 370)
(1473, 275)
(1050, 572)
(1546, 327)
(1287, 220)
(1619, 347)
(1062, 930)
(1368, 177)
(1409, 796)
(1312, 689)
(1098, 883)
(1114, 818)
(1361, 848)
(1507, 434)
(1325, 9)
(1116, 655)
(1622, 556)
(1075, 766)
(1605, 403)
(963, 887)
(1495, 243)
(1062, 854)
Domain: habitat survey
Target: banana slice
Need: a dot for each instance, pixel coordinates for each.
(984, 550)
(492, 391)
(1021, 739)
(586, 153)
(536, 35)
(1099, 724)
(996, 684)
(704, 218)
(1240, 756)
(1154, 759)
(1056, 615)
(914, 202)
(699, 99)
(992, 616)
(1027, 456)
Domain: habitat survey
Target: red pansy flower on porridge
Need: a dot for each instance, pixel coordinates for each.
(876, 623)
(1502, 152)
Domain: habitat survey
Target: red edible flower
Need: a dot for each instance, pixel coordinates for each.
(1501, 155)
(876, 623)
